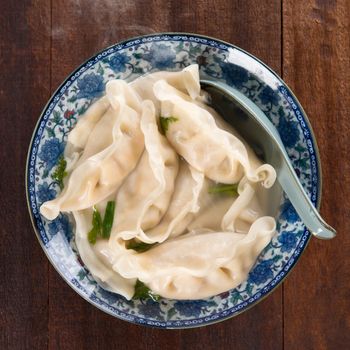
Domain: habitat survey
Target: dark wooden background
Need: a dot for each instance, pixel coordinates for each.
(306, 42)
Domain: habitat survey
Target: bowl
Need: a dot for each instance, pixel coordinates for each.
(128, 60)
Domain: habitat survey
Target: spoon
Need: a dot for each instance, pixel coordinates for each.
(254, 126)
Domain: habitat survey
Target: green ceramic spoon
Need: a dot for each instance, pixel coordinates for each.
(253, 125)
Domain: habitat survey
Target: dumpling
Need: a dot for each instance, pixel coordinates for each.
(200, 265)
(78, 137)
(101, 174)
(94, 130)
(95, 257)
(189, 185)
(118, 93)
(145, 196)
(186, 81)
(101, 136)
(220, 155)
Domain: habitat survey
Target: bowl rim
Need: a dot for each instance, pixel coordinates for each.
(173, 34)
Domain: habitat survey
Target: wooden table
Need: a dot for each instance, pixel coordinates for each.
(306, 42)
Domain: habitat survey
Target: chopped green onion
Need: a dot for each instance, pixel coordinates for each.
(143, 292)
(60, 171)
(92, 236)
(230, 190)
(96, 226)
(108, 219)
(139, 247)
(164, 123)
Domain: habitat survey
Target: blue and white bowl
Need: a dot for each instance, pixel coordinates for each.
(128, 60)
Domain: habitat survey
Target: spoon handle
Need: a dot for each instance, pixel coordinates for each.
(302, 203)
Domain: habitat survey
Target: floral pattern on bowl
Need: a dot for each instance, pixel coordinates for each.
(128, 60)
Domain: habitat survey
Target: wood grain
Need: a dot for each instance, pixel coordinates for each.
(73, 322)
(316, 65)
(24, 89)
